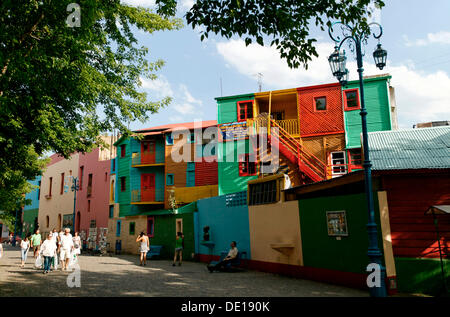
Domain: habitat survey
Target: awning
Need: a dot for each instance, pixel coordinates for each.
(438, 210)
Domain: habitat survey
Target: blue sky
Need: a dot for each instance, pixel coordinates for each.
(415, 33)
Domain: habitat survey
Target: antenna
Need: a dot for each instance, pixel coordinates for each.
(260, 75)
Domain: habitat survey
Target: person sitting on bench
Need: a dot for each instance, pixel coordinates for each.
(232, 254)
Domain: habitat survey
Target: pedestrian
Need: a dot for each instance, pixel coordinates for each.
(36, 242)
(143, 248)
(66, 248)
(1, 250)
(76, 244)
(48, 250)
(179, 246)
(11, 237)
(55, 257)
(24, 248)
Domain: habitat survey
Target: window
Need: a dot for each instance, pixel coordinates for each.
(338, 164)
(123, 150)
(191, 138)
(190, 174)
(111, 211)
(89, 188)
(113, 165)
(169, 179)
(278, 115)
(111, 197)
(210, 151)
(106, 176)
(50, 187)
(263, 193)
(123, 184)
(354, 159)
(351, 100)
(62, 184)
(89, 206)
(93, 224)
(132, 228)
(247, 165)
(320, 103)
(245, 110)
(81, 177)
(169, 139)
(179, 225)
(39, 191)
(118, 228)
(151, 227)
(47, 221)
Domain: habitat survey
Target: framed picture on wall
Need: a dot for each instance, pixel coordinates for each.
(337, 223)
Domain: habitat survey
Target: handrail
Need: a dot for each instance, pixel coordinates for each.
(311, 160)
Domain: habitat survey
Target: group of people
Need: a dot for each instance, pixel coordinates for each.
(60, 245)
(144, 247)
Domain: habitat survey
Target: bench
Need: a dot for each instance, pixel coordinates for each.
(155, 250)
(232, 266)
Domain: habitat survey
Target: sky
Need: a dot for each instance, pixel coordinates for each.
(416, 34)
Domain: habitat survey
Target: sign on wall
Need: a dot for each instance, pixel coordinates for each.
(234, 131)
(68, 221)
(337, 223)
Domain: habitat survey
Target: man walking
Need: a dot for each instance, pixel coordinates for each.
(36, 241)
(66, 249)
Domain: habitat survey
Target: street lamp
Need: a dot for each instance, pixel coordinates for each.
(75, 188)
(337, 63)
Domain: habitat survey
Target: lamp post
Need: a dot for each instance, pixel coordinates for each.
(75, 188)
(337, 61)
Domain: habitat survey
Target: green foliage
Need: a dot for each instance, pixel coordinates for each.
(286, 22)
(53, 79)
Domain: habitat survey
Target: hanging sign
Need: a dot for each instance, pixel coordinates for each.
(234, 131)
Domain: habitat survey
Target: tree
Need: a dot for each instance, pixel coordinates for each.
(54, 75)
(286, 22)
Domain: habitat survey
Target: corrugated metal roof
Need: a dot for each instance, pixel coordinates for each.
(422, 148)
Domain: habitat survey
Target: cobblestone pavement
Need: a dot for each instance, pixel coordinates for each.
(122, 276)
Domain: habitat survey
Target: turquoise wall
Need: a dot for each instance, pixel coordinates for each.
(33, 195)
(227, 223)
(378, 111)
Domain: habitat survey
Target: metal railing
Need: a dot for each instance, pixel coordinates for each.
(151, 195)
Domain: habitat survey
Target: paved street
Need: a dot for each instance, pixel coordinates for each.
(122, 276)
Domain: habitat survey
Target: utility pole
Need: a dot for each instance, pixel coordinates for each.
(260, 75)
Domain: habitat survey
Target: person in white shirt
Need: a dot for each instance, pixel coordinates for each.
(24, 247)
(48, 249)
(232, 254)
(55, 240)
(66, 249)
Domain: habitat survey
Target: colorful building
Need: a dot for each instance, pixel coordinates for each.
(319, 130)
(31, 211)
(158, 173)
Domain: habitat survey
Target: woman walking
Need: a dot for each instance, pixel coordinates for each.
(143, 248)
(24, 247)
(76, 244)
(48, 249)
(179, 245)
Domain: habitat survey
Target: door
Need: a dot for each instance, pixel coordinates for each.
(147, 187)
(148, 152)
(338, 164)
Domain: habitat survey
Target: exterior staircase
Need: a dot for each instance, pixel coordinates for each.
(307, 163)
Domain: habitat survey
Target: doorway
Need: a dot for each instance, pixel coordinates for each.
(147, 187)
(148, 152)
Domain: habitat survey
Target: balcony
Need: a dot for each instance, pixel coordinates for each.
(138, 161)
(184, 195)
(154, 196)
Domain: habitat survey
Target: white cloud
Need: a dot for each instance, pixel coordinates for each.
(183, 102)
(160, 86)
(420, 96)
(442, 37)
(140, 3)
(186, 4)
